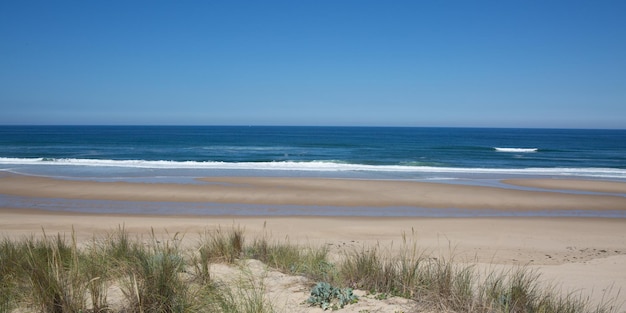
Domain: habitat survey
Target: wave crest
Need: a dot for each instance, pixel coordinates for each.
(516, 150)
(312, 166)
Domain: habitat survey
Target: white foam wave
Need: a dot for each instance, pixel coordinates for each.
(320, 166)
(516, 150)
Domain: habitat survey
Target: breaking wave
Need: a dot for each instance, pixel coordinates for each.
(311, 166)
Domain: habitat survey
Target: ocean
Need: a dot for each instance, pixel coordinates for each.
(181, 153)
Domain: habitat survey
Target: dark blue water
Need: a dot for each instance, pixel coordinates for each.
(406, 153)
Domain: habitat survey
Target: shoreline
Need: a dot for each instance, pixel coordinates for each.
(331, 193)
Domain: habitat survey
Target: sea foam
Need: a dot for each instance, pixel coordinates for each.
(314, 166)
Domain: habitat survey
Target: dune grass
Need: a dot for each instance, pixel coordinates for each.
(53, 274)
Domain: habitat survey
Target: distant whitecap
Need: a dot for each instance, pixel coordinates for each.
(516, 150)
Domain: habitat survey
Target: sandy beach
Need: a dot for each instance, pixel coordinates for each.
(326, 192)
(579, 254)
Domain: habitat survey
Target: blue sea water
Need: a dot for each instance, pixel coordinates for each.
(479, 156)
(171, 153)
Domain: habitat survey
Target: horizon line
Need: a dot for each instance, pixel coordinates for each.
(310, 126)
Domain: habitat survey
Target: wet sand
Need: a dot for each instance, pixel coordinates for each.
(319, 192)
(571, 184)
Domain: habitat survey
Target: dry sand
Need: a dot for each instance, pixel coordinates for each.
(582, 254)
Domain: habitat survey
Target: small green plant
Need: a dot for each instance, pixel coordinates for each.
(381, 296)
(328, 297)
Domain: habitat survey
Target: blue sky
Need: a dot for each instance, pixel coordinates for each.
(375, 63)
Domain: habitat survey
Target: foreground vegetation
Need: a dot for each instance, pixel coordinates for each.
(56, 274)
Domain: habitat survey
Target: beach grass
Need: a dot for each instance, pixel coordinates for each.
(55, 274)
(311, 262)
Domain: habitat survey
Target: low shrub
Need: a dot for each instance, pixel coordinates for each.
(328, 297)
